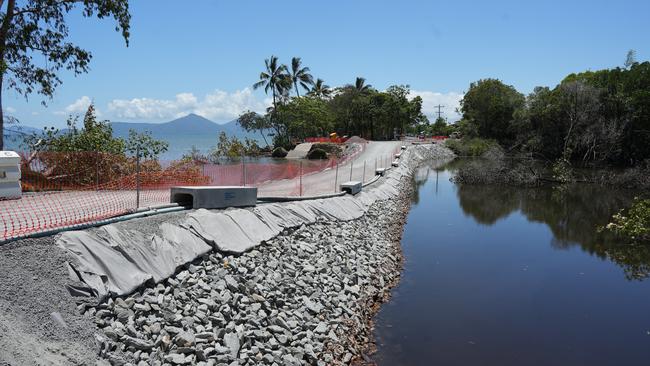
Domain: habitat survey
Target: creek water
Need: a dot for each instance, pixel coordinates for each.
(515, 276)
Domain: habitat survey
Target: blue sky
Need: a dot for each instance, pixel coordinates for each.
(202, 56)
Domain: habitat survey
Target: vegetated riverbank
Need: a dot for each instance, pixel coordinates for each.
(304, 297)
(493, 166)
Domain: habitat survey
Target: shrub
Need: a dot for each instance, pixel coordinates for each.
(279, 152)
(317, 154)
(634, 222)
(331, 149)
(473, 147)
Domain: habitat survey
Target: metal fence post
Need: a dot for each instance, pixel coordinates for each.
(301, 179)
(351, 165)
(336, 177)
(97, 170)
(137, 177)
(243, 164)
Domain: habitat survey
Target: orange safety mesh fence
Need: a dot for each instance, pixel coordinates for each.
(65, 189)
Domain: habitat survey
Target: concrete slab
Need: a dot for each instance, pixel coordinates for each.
(300, 151)
(352, 187)
(214, 197)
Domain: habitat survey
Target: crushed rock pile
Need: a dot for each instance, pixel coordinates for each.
(302, 298)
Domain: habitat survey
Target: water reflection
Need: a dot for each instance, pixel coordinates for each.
(515, 276)
(572, 213)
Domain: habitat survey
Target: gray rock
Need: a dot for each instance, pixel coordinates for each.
(231, 340)
(137, 343)
(184, 339)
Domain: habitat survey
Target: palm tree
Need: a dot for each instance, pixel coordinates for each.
(275, 78)
(300, 75)
(320, 89)
(361, 86)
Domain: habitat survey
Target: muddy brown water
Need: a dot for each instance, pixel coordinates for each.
(515, 276)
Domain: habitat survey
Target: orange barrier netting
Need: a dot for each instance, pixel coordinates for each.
(65, 189)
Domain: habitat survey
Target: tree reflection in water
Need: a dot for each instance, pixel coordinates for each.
(573, 213)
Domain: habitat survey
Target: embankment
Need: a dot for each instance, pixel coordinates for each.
(305, 295)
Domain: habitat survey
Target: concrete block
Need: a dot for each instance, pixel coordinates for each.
(214, 197)
(10, 175)
(10, 190)
(398, 155)
(403, 147)
(395, 163)
(380, 171)
(352, 187)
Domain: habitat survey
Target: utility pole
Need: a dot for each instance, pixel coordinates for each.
(439, 106)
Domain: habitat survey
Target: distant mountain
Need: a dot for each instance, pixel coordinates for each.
(14, 134)
(181, 133)
(185, 132)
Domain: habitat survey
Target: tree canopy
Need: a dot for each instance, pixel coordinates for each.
(35, 30)
(593, 117)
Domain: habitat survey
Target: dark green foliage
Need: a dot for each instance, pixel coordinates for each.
(472, 147)
(317, 154)
(93, 136)
(306, 116)
(232, 148)
(145, 145)
(279, 152)
(591, 118)
(489, 106)
(354, 109)
(634, 222)
(251, 121)
(439, 128)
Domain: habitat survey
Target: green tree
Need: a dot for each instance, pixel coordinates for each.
(307, 116)
(94, 136)
(37, 30)
(274, 79)
(251, 121)
(440, 127)
(490, 106)
(320, 90)
(360, 85)
(144, 144)
(300, 76)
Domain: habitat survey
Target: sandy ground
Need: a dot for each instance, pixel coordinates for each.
(39, 321)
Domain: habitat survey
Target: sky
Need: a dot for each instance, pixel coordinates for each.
(203, 56)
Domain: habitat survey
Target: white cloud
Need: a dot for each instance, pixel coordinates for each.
(450, 102)
(218, 105)
(79, 106)
(224, 106)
